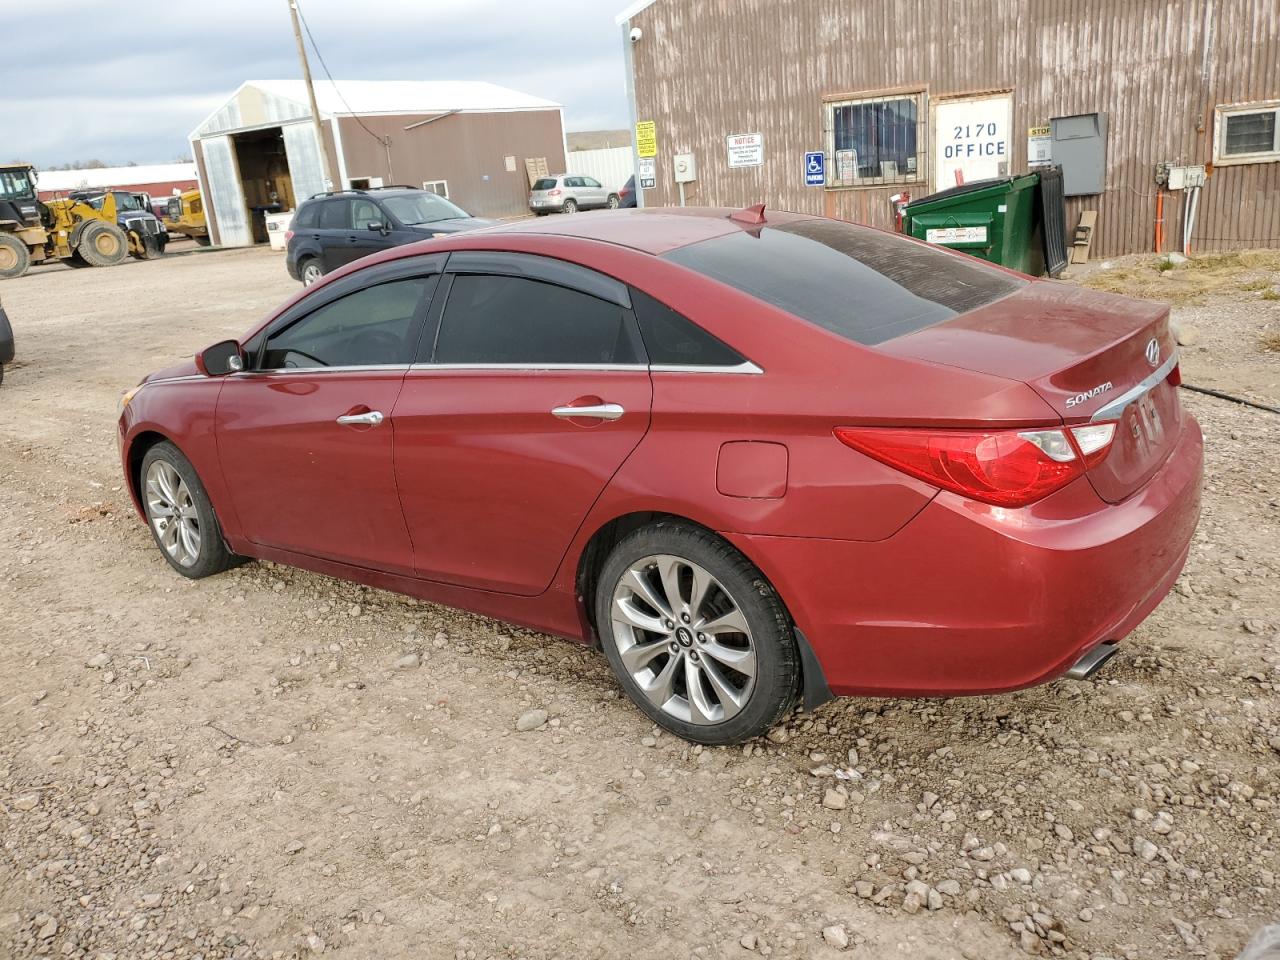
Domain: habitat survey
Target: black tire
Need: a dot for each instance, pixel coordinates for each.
(15, 258)
(308, 263)
(203, 241)
(777, 659)
(149, 247)
(77, 261)
(570, 206)
(102, 244)
(1, 373)
(213, 555)
(613, 202)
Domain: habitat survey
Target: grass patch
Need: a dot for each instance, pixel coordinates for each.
(1270, 294)
(1270, 342)
(1155, 278)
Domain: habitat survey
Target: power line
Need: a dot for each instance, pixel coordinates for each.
(319, 56)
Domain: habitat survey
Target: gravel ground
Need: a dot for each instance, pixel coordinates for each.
(270, 763)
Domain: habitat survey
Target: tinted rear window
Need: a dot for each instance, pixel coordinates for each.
(863, 284)
(546, 183)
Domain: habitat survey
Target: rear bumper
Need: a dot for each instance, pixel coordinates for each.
(969, 599)
(545, 206)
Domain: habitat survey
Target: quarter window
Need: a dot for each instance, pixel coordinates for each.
(515, 320)
(1247, 133)
(306, 216)
(875, 140)
(371, 327)
(672, 340)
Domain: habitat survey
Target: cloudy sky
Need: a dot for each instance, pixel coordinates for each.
(140, 75)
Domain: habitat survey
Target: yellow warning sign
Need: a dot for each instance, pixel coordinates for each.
(647, 138)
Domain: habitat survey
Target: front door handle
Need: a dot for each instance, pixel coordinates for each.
(371, 419)
(600, 411)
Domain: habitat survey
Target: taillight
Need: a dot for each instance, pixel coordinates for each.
(1007, 468)
(553, 193)
(288, 235)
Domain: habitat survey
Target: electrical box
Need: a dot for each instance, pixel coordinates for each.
(1079, 146)
(1181, 178)
(686, 169)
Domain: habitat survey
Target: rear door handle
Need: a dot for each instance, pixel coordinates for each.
(601, 411)
(372, 418)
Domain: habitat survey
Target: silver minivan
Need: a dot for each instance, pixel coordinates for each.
(569, 193)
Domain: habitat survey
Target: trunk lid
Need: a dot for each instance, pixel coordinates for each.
(1089, 355)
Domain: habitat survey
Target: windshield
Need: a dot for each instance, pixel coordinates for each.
(127, 201)
(415, 208)
(863, 284)
(16, 185)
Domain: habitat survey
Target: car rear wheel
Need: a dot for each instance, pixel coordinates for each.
(696, 635)
(612, 202)
(310, 271)
(180, 515)
(570, 206)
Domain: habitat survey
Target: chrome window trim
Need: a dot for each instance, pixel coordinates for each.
(190, 376)
(1116, 407)
(291, 371)
(746, 367)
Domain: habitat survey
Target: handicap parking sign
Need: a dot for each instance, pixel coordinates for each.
(815, 169)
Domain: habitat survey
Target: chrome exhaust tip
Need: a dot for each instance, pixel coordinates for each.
(1092, 661)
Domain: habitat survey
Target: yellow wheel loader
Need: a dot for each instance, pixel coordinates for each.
(72, 230)
(185, 215)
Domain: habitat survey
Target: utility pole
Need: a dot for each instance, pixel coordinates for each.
(326, 165)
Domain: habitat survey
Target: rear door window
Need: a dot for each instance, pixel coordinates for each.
(866, 285)
(335, 215)
(520, 321)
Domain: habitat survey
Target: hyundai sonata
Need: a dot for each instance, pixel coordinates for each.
(753, 457)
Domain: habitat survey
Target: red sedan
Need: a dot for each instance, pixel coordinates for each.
(754, 457)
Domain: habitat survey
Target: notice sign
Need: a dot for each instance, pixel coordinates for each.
(648, 173)
(646, 138)
(972, 140)
(1039, 146)
(745, 149)
(956, 235)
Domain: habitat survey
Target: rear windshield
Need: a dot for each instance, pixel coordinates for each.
(865, 285)
(546, 183)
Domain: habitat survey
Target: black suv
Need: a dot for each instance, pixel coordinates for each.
(332, 229)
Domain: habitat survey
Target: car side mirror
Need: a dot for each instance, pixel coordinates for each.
(220, 359)
(379, 227)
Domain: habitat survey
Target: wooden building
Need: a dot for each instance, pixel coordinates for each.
(912, 96)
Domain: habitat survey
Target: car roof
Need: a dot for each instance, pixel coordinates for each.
(655, 230)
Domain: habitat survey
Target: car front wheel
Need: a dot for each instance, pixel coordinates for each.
(180, 514)
(695, 634)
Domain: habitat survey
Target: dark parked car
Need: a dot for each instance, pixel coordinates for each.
(627, 195)
(6, 342)
(332, 229)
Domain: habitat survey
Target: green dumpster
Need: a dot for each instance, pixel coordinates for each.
(992, 219)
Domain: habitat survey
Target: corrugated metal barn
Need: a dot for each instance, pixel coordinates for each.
(467, 140)
(916, 95)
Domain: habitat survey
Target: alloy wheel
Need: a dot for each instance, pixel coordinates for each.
(172, 513)
(310, 274)
(683, 639)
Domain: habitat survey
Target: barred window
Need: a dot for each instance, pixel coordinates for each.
(876, 140)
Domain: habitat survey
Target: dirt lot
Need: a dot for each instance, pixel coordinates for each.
(270, 763)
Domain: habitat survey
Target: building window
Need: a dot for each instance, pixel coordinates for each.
(875, 140)
(1247, 133)
(439, 187)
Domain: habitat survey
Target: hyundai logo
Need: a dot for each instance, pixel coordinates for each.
(1153, 352)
